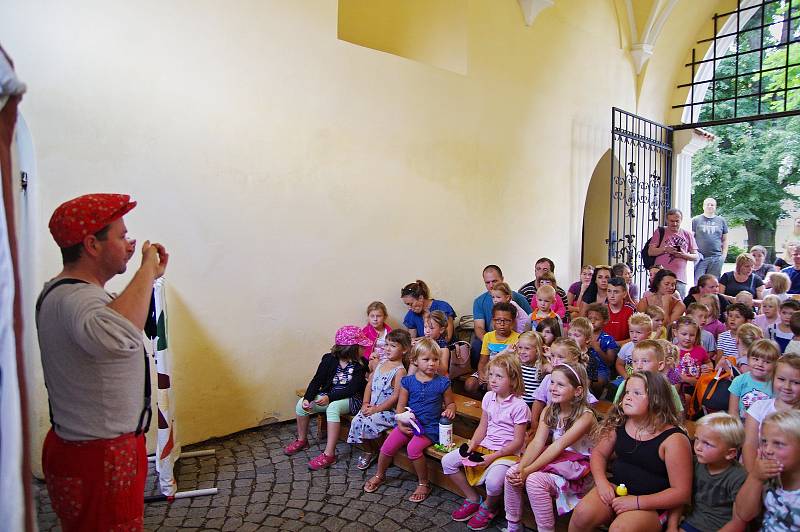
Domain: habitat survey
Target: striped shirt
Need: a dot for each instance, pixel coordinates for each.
(532, 378)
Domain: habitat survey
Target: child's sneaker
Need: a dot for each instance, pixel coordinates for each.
(295, 447)
(321, 462)
(466, 510)
(513, 527)
(482, 519)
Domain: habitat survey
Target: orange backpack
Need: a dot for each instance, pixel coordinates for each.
(711, 392)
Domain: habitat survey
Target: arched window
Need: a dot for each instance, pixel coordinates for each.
(751, 68)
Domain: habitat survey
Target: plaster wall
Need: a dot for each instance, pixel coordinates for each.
(295, 177)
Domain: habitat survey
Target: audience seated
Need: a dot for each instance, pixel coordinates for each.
(541, 389)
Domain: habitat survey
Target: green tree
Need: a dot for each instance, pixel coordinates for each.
(750, 169)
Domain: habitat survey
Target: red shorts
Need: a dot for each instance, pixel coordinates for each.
(96, 484)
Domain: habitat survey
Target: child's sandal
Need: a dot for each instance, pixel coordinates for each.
(418, 497)
(373, 483)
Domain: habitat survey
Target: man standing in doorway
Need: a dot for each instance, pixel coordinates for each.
(95, 367)
(711, 234)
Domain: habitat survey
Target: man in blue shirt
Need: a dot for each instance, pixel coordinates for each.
(792, 271)
(482, 309)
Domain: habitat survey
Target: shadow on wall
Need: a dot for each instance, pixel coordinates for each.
(596, 213)
(206, 375)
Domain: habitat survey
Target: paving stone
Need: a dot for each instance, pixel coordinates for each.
(313, 506)
(239, 501)
(370, 518)
(334, 524)
(216, 513)
(385, 525)
(197, 513)
(173, 521)
(255, 493)
(351, 514)
(313, 518)
(398, 514)
(178, 512)
(292, 513)
(331, 509)
(215, 523)
(232, 524)
(273, 521)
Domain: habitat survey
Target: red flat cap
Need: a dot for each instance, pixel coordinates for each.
(86, 215)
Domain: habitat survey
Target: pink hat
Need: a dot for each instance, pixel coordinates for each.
(86, 215)
(352, 335)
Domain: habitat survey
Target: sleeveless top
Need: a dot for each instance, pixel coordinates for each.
(638, 464)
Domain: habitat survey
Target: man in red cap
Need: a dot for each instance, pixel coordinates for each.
(95, 367)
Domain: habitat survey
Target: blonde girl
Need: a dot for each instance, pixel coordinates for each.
(746, 335)
(529, 348)
(658, 317)
(563, 351)
(423, 393)
(376, 330)
(780, 283)
(770, 313)
(756, 384)
(786, 396)
(500, 437)
(435, 329)
(653, 460)
(671, 357)
(501, 293)
(773, 482)
(559, 470)
(380, 398)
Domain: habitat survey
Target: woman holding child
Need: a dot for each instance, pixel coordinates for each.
(662, 294)
(742, 279)
(417, 297)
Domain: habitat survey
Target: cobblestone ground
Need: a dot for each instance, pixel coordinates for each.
(262, 489)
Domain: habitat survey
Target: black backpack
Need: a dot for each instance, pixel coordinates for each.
(647, 260)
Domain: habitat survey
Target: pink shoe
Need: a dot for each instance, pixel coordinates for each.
(321, 462)
(465, 511)
(482, 519)
(295, 447)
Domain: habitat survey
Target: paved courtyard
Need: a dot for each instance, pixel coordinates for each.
(262, 489)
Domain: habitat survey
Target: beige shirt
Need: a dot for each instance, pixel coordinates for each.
(93, 363)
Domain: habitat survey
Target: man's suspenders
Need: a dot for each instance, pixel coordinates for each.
(147, 412)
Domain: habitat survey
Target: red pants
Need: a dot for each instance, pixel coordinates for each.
(96, 485)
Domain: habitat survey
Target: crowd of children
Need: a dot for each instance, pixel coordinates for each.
(541, 437)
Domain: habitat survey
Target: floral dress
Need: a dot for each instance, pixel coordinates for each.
(370, 427)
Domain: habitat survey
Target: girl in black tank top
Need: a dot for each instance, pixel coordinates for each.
(648, 453)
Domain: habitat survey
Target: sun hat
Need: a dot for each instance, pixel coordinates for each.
(352, 335)
(86, 215)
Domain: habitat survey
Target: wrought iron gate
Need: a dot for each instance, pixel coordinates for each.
(641, 171)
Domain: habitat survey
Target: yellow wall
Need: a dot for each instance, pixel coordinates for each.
(431, 31)
(596, 213)
(295, 177)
